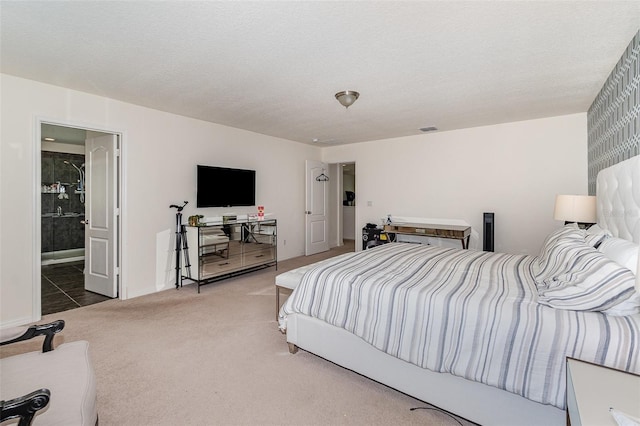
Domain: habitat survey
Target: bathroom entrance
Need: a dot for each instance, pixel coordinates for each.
(67, 164)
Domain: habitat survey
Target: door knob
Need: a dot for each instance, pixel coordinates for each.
(84, 222)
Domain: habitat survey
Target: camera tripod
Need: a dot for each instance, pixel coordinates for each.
(181, 245)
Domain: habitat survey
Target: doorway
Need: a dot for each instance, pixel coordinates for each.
(330, 205)
(349, 201)
(65, 166)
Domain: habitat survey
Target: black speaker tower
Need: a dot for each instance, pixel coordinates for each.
(488, 224)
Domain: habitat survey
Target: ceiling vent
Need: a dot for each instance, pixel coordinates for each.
(326, 141)
(428, 129)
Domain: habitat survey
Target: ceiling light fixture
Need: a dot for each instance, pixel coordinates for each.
(347, 97)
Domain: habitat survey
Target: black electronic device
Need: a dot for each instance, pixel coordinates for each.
(225, 187)
(372, 236)
(488, 227)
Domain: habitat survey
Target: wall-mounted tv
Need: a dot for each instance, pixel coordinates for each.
(224, 187)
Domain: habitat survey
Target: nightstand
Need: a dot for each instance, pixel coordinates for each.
(592, 389)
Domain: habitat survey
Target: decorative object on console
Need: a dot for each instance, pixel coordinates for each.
(195, 219)
(229, 218)
(347, 97)
(576, 208)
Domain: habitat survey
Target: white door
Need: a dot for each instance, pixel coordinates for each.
(317, 201)
(100, 216)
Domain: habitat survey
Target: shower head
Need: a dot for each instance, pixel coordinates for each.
(74, 166)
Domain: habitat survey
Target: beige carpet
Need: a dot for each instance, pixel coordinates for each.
(217, 358)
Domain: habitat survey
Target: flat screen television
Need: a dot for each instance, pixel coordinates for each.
(224, 187)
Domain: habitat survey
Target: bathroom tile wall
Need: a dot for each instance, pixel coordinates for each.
(59, 232)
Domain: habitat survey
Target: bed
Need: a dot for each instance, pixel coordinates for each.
(482, 335)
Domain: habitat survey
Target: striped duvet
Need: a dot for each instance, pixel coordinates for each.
(472, 314)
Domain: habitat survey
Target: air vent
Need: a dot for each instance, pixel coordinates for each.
(326, 141)
(428, 129)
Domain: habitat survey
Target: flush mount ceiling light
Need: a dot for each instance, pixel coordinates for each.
(347, 97)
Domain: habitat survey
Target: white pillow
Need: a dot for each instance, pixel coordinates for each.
(623, 252)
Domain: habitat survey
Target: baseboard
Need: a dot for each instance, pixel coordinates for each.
(18, 322)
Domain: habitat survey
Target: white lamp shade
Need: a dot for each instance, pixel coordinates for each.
(575, 208)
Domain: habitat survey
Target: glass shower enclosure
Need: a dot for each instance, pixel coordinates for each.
(62, 201)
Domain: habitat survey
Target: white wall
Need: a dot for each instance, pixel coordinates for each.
(514, 170)
(160, 152)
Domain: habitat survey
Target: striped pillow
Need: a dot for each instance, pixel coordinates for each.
(560, 247)
(591, 282)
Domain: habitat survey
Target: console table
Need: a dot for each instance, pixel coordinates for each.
(456, 232)
(224, 249)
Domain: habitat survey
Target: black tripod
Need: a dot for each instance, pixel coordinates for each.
(181, 245)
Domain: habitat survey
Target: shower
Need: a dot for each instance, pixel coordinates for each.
(80, 187)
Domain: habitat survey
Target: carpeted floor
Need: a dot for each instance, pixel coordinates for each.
(217, 358)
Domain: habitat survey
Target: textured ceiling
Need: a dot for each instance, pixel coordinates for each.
(273, 67)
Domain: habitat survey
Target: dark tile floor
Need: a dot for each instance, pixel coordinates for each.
(63, 288)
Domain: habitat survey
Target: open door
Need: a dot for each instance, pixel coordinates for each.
(317, 200)
(100, 215)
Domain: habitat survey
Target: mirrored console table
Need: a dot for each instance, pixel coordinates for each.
(221, 250)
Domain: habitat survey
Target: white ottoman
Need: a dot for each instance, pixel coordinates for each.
(290, 281)
(292, 278)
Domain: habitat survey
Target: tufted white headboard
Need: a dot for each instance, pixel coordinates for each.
(618, 199)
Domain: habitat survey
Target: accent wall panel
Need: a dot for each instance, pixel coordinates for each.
(613, 120)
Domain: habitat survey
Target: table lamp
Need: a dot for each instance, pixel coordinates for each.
(576, 208)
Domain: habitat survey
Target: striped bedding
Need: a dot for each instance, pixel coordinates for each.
(469, 313)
